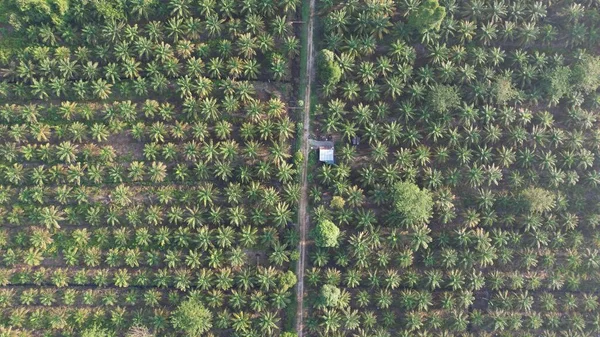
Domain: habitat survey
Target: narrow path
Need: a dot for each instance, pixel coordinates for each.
(303, 204)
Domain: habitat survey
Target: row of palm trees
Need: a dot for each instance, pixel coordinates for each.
(366, 323)
(148, 111)
(222, 282)
(236, 214)
(180, 137)
(525, 23)
(68, 321)
(157, 172)
(134, 242)
(184, 198)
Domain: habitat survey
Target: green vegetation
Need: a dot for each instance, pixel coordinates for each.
(22, 13)
(287, 280)
(558, 83)
(330, 295)
(586, 73)
(326, 234)
(427, 16)
(443, 98)
(337, 202)
(149, 168)
(414, 205)
(147, 179)
(192, 318)
(538, 200)
(504, 90)
(470, 205)
(329, 71)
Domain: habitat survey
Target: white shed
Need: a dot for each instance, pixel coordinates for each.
(326, 155)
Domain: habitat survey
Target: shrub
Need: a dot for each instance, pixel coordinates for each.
(428, 16)
(337, 202)
(538, 200)
(330, 295)
(326, 234)
(329, 71)
(287, 280)
(558, 83)
(415, 205)
(504, 90)
(94, 331)
(586, 73)
(192, 318)
(26, 12)
(443, 98)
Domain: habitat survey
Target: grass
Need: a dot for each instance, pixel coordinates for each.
(312, 166)
(290, 311)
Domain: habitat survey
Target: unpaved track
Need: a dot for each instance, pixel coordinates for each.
(303, 204)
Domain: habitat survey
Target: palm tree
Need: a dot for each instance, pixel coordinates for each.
(39, 88)
(279, 255)
(179, 8)
(267, 323)
(241, 322)
(279, 151)
(101, 89)
(331, 320)
(246, 45)
(236, 215)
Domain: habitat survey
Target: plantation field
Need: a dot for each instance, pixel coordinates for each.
(147, 180)
(470, 206)
(156, 177)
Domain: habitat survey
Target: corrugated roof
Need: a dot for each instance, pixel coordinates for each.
(326, 155)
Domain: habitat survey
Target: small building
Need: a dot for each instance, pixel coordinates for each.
(326, 154)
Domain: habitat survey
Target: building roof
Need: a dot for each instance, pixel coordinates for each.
(326, 154)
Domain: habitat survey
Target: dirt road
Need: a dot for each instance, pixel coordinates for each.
(303, 204)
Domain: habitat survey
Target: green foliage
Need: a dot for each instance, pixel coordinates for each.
(298, 158)
(558, 83)
(329, 71)
(27, 12)
(415, 205)
(287, 280)
(503, 90)
(109, 9)
(326, 234)
(428, 16)
(337, 202)
(538, 200)
(586, 73)
(64, 57)
(139, 331)
(443, 98)
(289, 334)
(94, 331)
(330, 295)
(192, 318)
(10, 44)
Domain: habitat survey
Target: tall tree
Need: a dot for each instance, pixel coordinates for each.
(414, 205)
(192, 318)
(326, 234)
